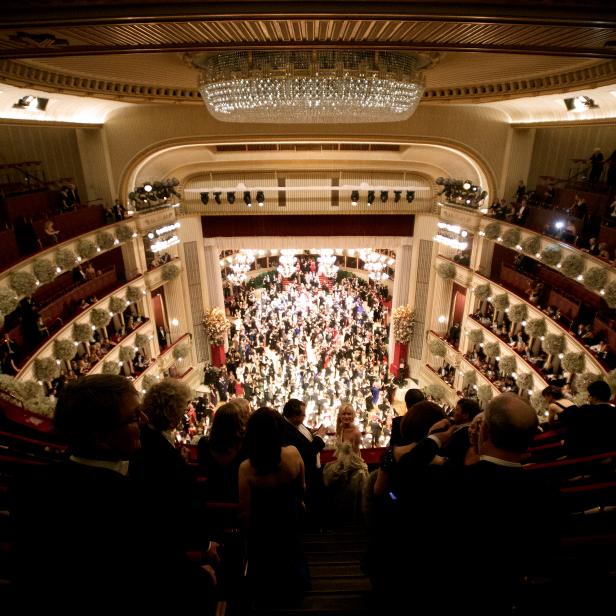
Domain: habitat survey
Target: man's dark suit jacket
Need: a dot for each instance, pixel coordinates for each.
(590, 428)
(308, 450)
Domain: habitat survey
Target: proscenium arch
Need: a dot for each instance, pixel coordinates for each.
(431, 158)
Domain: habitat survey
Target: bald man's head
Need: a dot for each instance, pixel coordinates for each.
(511, 423)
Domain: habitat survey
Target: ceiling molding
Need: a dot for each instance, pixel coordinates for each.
(25, 75)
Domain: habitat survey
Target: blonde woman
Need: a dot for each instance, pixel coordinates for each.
(346, 430)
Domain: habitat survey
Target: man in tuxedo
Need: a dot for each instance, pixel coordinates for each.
(309, 444)
(84, 540)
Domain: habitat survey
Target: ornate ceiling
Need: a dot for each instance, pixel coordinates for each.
(134, 52)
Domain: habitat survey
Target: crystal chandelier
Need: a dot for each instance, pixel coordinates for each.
(287, 262)
(375, 263)
(327, 263)
(322, 85)
(240, 264)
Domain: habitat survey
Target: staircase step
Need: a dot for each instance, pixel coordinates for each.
(338, 558)
(331, 605)
(340, 584)
(334, 570)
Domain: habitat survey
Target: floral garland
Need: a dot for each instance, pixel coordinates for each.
(133, 294)
(127, 353)
(30, 393)
(492, 231)
(553, 344)
(524, 381)
(610, 294)
(64, 349)
(124, 233)
(148, 381)
(518, 313)
(531, 245)
(82, 332)
(99, 317)
(610, 379)
(404, 324)
(572, 265)
(574, 362)
(595, 278)
(86, 249)
(66, 259)
(111, 367)
(511, 237)
(539, 403)
(501, 302)
(181, 351)
(117, 304)
(536, 328)
(484, 393)
(551, 254)
(8, 301)
(438, 348)
(491, 349)
(447, 271)
(44, 270)
(475, 336)
(483, 291)
(141, 340)
(435, 391)
(170, 271)
(46, 369)
(583, 380)
(507, 365)
(104, 239)
(23, 283)
(469, 378)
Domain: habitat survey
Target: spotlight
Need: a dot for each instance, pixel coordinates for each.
(231, 198)
(384, 196)
(467, 184)
(355, 198)
(205, 197)
(560, 224)
(397, 195)
(148, 187)
(260, 198)
(217, 197)
(31, 103)
(370, 197)
(247, 198)
(410, 196)
(578, 104)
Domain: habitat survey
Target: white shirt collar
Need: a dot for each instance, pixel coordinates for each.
(500, 462)
(119, 466)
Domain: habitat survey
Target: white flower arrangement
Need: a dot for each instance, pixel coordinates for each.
(475, 336)
(141, 340)
(127, 353)
(170, 271)
(507, 365)
(536, 328)
(518, 313)
(524, 381)
(572, 265)
(574, 362)
(595, 278)
(484, 393)
(437, 347)
(216, 325)
(511, 237)
(30, 393)
(117, 304)
(23, 283)
(447, 271)
(111, 367)
(133, 294)
(181, 351)
(8, 301)
(610, 379)
(404, 324)
(553, 344)
(539, 403)
(492, 231)
(86, 249)
(531, 245)
(501, 301)
(583, 380)
(148, 381)
(46, 369)
(491, 349)
(64, 349)
(124, 233)
(66, 259)
(551, 254)
(469, 378)
(41, 406)
(436, 391)
(82, 332)
(104, 239)
(483, 291)
(44, 270)
(32, 389)
(99, 317)
(609, 296)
